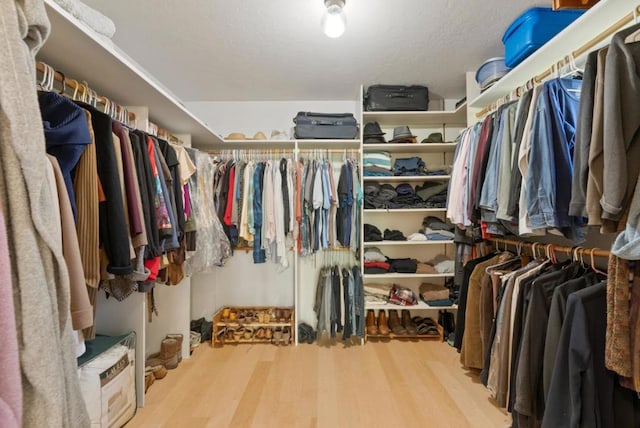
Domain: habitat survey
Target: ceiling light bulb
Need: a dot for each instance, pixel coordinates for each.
(334, 20)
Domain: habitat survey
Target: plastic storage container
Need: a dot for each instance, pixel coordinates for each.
(490, 72)
(532, 29)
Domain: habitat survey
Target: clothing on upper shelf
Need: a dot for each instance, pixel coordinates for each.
(337, 289)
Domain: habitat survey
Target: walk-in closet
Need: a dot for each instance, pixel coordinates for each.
(319, 213)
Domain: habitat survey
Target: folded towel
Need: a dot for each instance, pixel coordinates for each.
(97, 21)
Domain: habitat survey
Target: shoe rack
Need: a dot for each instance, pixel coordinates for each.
(265, 324)
(408, 220)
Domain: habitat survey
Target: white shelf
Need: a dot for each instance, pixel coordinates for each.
(420, 306)
(417, 118)
(411, 148)
(407, 275)
(582, 30)
(406, 210)
(328, 144)
(401, 179)
(255, 144)
(404, 243)
(82, 54)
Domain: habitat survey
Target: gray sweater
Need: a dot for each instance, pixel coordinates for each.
(621, 123)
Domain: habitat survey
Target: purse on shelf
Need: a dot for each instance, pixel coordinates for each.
(402, 296)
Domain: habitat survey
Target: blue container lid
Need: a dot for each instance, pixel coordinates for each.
(534, 12)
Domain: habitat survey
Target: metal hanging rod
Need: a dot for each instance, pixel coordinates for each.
(535, 246)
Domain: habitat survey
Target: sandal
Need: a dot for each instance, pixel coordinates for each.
(261, 317)
(260, 334)
(268, 334)
(286, 336)
(277, 335)
(248, 333)
(238, 334)
(428, 327)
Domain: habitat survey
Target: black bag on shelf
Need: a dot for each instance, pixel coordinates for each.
(396, 98)
(325, 126)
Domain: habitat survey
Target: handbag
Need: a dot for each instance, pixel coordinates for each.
(396, 98)
(402, 296)
(573, 4)
(325, 126)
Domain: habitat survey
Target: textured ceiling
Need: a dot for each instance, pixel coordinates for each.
(239, 50)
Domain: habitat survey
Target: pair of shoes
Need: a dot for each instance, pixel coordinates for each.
(395, 325)
(426, 326)
(158, 372)
(283, 314)
(379, 325)
(306, 333)
(281, 336)
(408, 323)
(168, 355)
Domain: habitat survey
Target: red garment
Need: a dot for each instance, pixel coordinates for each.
(154, 267)
(231, 192)
(381, 265)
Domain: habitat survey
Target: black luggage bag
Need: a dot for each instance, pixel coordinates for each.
(396, 98)
(325, 126)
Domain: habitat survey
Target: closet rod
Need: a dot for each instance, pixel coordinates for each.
(84, 90)
(557, 249)
(539, 78)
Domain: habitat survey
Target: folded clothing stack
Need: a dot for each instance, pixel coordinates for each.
(98, 22)
(431, 292)
(436, 230)
(440, 264)
(372, 233)
(376, 164)
(393, 235)
(405, 265)
(385, 196)
(373, 254)
(377, 293)
(376, 268)
(413, 166)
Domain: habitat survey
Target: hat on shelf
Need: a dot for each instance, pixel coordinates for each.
(279, 135)
(373, 133)
(236, 136)
(259, 136)
(402, 134)
(435, 138)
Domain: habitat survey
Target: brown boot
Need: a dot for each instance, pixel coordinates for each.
(372, 329)
(408, 323)
(382, 323)
(168, 355)
(394, 323)
(178, 338)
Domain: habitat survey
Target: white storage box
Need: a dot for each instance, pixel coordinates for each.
(107, 380)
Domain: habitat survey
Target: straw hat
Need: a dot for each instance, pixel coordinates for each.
(236, 136)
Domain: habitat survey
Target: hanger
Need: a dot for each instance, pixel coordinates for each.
(593, 263)
(635, 36)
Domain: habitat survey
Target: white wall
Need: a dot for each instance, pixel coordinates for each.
(250, 117)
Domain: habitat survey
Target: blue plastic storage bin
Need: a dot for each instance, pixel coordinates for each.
(532, 29)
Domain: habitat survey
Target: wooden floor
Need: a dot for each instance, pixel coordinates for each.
(382, 384)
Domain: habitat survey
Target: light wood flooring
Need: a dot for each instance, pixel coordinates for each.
(381, 384)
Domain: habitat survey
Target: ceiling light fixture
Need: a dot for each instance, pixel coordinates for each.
(334, 21)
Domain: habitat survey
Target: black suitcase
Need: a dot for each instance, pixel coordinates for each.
(396, 98)
(325, 126)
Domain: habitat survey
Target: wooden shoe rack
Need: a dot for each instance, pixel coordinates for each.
(242, 324)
